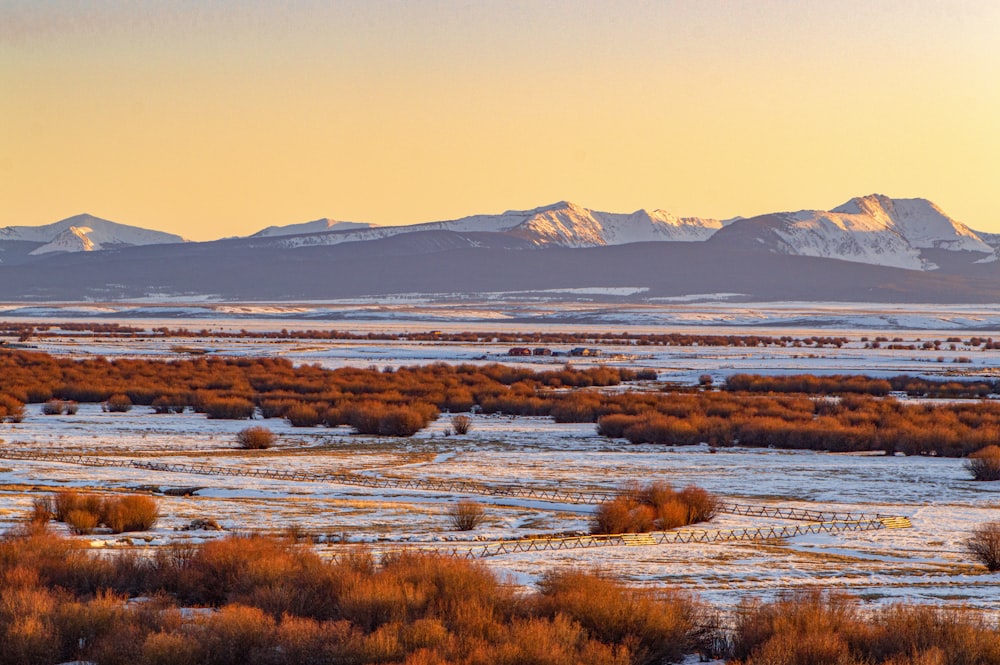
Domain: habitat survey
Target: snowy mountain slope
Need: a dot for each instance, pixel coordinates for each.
(447, 263)
(85, 233)
(561, 224)
(570, 225)
(73, 239)
(923, 224)
(321, 225)
(858, 238)
(873, 229)
(991, 239)
(912, 234)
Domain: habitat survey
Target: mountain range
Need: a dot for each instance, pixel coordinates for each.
(872, 248)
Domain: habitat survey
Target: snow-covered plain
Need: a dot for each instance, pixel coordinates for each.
(672, 363)
(596, 309)
(924, 563)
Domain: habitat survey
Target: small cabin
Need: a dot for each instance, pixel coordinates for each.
(519, 351)
(541, 351)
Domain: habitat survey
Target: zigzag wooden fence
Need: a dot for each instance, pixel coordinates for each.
(426, 484)
(680, 537)
(345, 478)
(816, 521)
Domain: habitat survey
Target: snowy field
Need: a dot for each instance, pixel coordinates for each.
(924, 563)
(555, 310)
(684, 364)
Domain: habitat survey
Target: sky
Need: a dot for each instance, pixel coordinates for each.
(218, 118)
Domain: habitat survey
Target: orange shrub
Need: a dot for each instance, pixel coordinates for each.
(129, 513)
(813, 627)
(11, 409)
(82, 521)
(984, 464)
(255, 438)
(658, 629)
(655, 506)
(53, 407)
(86, 512)
(623, 515)
(303, 415)
(118, 403)
(228, 408)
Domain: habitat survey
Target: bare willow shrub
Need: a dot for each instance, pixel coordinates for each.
(53, 407)
(130, 513)
(168, 404)
(255, 438)
(118, 403)
(69, 500)
(85, 512)
(984, 464)
(702, 506)
(228, 408)
(818, 628)
(466, 515)
(171, 648)
(461, 424)
(42, 510)
(624, 514)
(303, 415)
(99, 630)
(236, 635)
(275, 408)
(82, 521)
(984, 545)
(26, 610)
(659, 628)
(794, 628)
(11, 409)
(655, 506)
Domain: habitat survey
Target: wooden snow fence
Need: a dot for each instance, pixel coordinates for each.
(812, 521)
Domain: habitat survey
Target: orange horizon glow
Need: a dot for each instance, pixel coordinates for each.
(220, 118)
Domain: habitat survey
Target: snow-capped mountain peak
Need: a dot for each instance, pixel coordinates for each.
(871, 229)
(921, 222)
(84, 233)
(73, 239)
(562, 223)
(322, 225)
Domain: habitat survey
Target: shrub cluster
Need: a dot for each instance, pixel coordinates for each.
(227, 408)
(391, 403)
(85, 512)
(815, 628)
(164, 404)
(26, 330)
(401, 402)
(655, 507)
(372, 417)
(118, 403)
(461, 424)
(850, 423)
(984, 464)
(840, 384)
(55, 407)
(11, 409)
(255, 438)
(279, 603)
(466, 515)
(984, 545)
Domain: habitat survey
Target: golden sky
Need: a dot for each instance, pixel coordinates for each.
(213, 119)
